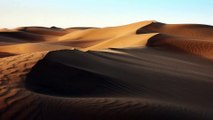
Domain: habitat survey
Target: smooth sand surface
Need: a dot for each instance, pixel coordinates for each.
(146, 70)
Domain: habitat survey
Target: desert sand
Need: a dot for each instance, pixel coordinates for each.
(146, 70)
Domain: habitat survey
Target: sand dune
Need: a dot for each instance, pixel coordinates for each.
(199, 47)
(105, 33)
(146, 70)
(191, 38)
(124, 42)
(90, 35)
(194, 31)
(43, 31)
(30, 47)
(24, 36)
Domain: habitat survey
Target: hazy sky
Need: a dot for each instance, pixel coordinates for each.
(67, 13)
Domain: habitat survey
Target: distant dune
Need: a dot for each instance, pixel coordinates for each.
(146, 70)
(191, 38)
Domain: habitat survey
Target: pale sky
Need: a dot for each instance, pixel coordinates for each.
(101, 13)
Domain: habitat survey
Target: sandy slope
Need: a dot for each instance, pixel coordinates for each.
(44, 31)
(193, 31)
(198, 47)
(13, 72)
(29, 48)
(144, 70)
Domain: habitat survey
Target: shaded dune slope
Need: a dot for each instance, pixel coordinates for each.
(62, 74)
(24, 36)
(149, 89)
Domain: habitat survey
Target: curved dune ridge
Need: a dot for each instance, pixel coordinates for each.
(146, 70)
(191, 38)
